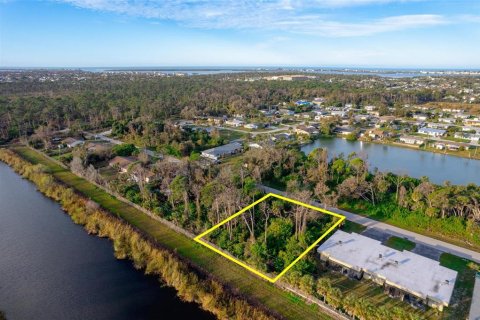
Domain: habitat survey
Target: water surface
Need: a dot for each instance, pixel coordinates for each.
(51, 268)
(415, 163)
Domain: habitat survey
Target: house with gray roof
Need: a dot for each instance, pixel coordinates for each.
(220, 152)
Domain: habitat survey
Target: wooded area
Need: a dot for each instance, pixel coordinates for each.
(100, 99)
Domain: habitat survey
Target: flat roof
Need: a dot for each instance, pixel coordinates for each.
(427, 129)
(225, 149)
(406, 270)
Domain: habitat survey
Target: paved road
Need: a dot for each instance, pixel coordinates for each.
(402, 233)
(475, 307)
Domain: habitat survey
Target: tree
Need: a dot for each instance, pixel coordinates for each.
(307, 284)
(77, 166)
(178, 192)
(124, 150)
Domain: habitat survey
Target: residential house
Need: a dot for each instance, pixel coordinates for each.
(362, 117)
(378, 134)
(448, 120)
(439, 145)
(220, 152)
(462, 116)
(455, 146)
(304, 115)
(251, 126)
(412, 140)
(403, 274)
(435, 125)
(472, 122)
(72, 142)
(216, 120)
(282, 137)
(387, 119)
(303, 103)
(475, 138)
(338, 113)
(255, 145)
(344, 131)
(286, 112)
(235, 123)
(420, 116)
(306, 130)
(462, 135)
(432, 132)
(319, 101)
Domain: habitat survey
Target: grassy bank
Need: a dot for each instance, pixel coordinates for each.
(241, 282)
(463, 292)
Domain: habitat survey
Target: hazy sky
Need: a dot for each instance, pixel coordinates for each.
(369, 33)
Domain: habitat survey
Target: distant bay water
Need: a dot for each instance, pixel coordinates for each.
(382, 72)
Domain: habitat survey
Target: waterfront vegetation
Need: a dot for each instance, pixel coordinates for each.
(220, 270)
(143, 112)
(448, 212)
(365, 306)
(131, 243)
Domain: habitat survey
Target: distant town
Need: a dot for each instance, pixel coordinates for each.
(178, 153)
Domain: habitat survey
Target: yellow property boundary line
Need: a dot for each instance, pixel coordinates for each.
(198, 239)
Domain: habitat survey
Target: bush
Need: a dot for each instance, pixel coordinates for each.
(124, 150)
(130, 243)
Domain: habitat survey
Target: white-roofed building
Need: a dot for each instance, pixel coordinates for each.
(222, 151)
(432, 132)
(403, 274)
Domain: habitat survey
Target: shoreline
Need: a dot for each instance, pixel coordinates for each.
(105, 224)
(416, 147)
(265, 305)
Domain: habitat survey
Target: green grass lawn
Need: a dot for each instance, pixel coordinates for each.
(232, 135)
(463, 291)
(400, 243)
(350, 226)
(244, 282)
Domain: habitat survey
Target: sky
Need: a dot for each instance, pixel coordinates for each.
(316, 33)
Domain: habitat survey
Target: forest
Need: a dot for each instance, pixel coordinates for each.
(141, 110)
(196, 197)
(272, 234)
(129, 242)
(100, 99)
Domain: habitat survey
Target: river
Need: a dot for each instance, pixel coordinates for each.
(415, 163)
(51, 268)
